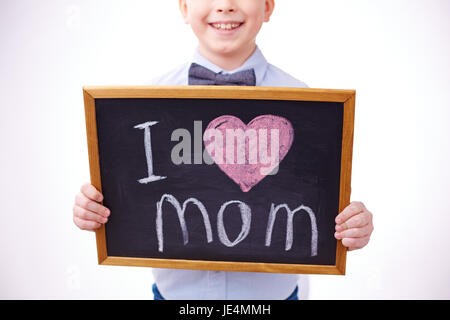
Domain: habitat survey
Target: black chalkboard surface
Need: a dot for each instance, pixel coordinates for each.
(175, 204)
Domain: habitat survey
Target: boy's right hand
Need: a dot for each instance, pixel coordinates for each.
(88, 213)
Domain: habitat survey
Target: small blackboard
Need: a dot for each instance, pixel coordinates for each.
(221, 178)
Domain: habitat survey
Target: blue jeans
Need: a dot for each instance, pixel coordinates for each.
(158, 296)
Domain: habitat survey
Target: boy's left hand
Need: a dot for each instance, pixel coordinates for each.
(354, 226)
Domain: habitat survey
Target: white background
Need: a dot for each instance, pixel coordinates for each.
(395, 53)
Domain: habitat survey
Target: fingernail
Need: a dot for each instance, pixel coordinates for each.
(104, 220)
(339, 227)
(107, 212)
(337, 235)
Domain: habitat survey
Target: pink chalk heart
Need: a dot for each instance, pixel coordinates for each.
(248, 153)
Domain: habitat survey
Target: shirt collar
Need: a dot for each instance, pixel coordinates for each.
(255, 61)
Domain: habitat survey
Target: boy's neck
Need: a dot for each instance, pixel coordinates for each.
(228, 62)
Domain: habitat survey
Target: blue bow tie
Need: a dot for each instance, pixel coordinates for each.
(199, 75)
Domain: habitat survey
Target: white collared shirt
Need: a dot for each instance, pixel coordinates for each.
(224, 285)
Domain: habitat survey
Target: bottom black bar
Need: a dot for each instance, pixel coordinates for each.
(225, 309)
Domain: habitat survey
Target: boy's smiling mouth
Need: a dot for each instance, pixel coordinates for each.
(226, 25)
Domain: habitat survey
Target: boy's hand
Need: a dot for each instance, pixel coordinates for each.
(354, 226)
(88, 213)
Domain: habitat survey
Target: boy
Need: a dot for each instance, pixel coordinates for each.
(227, 30)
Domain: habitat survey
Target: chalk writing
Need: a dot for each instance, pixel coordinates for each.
(245, 170)
(245, 210)
(246, 215)
(180, 211)
(148, 152)
(289, 226)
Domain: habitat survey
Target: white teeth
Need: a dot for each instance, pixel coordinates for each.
(224, 26)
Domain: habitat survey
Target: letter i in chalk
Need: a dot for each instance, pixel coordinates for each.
(148, 152)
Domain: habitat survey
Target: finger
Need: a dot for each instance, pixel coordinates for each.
(85, 224)
(354, 232)
(89, 191)
(84, 214)
(357, 221)
(352, 209)
(82, 201)
(355, 243)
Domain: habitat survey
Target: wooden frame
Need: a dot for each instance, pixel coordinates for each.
(347, 97)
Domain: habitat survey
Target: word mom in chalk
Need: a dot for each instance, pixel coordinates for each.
(246, 216)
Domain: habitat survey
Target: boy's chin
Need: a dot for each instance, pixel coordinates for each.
(226, 49)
